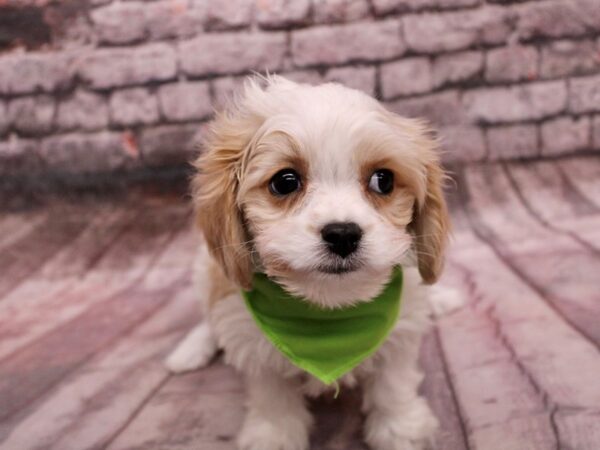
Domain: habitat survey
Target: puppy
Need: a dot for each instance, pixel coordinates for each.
(284, 162)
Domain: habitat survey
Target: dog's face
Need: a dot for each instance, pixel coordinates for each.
(321, 188)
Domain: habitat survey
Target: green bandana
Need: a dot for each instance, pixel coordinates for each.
(325, 342)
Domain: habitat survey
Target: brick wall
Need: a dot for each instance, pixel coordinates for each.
(107, 85)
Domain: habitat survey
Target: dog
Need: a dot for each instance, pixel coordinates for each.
(325, 191)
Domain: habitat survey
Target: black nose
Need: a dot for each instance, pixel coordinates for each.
(342, 237)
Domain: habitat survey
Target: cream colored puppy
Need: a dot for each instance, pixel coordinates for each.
(325, 191)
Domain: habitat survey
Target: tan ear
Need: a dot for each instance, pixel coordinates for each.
(431, 222)
(214, 191)
(431, 225)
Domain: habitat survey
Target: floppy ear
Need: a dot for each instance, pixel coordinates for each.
(214, 190)
(431, 224)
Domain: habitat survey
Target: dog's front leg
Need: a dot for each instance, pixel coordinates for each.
(276, 418)
(397, 417)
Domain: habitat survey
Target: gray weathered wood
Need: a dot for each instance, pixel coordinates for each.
(565, 273)
(86, 325)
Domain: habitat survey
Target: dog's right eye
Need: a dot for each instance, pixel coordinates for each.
(285, 182)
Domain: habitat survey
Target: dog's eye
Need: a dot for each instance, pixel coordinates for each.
(284, 182)
(382, 181)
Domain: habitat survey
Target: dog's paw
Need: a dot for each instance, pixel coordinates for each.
(260, 434)
(444, 300)
(413, 429)
(194, 352)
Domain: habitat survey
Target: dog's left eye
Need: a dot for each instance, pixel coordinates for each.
(285, 182)
(382, 181)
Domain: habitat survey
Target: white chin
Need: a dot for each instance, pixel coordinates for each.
(334, 290)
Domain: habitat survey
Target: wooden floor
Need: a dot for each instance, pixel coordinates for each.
(93, 297)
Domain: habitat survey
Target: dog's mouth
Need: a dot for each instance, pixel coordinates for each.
(339, 268)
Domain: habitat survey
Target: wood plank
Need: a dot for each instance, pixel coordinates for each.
(31, 372)
(27, 315)
(554, 367)
(562, 363)
(339, 422)
(578, 429)
(491, 201)
(583, 173)
(529, 433)
(565, 273)
(525, 319)
(546, 193)
(133, 247)
(437, 389)
(15, 226)
(104, 228)
(523, 376)
(202, 409)
(92, 405)
(29, 253)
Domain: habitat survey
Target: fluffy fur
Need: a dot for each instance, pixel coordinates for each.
(334, 138)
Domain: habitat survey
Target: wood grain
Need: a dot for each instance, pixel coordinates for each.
(25, 315)
(540, 364)
(549, 196)
(99, 294)
(30, 372)
(91, 406)
(564, 273)
(27, 254)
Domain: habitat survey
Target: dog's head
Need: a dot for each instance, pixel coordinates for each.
(321, 188)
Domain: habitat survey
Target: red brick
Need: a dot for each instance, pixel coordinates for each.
(457, 68)
(35, 72)
(512, 63)
(282, 13)
(441, 32)
(174, 18)
(564, 58)
(19, 157)
(405, 77)
(367, 41)
(310, 76)
(565, 135)
(117, 67)
(83, 110)
(32, 115)
(596, 133)
(185, 101)
(557, 18)
(133, 106)
(388, 6)
(513, 141)
(584, 95)
(443, 108)
(120, 23)
(77, 153)
(3, 118)
(170, 144)
(333, 11)
(512, 104)
(462, 143)
(225, 89)
(453, 3)
(355, 77)
(230, 14)
(228, 53)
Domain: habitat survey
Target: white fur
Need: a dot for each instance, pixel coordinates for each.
(445, 300)
(195, 351)
(330, 126)
(397, 418)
